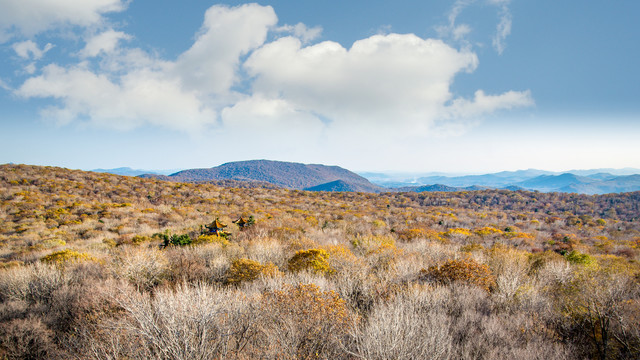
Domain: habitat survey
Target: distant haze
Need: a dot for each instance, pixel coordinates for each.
(316, 177)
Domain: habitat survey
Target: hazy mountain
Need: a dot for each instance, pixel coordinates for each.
(522, 174)
(554, 182)
(615, 185)
(440, 187)
(594, 181)
(617, 172)
(339, 185)
(285, 174)
(314, 177)
(500, 179)
(435, 187)
(601, 176)
(127, 171)
(468, 180)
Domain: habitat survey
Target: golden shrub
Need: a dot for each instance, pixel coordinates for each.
(210, 239)
(488, 230)
(464, 270)
(66, 256)
(243, 270)
(315, 260)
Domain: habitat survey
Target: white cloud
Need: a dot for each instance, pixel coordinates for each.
(302, 32)
(30, 68)
(384, 87)
(132, 88)
(458, 32)
(211, 64)
(503, 29)
(378, 77)
(30, 50)
(139, 97)
(272, 125)
(4, 85)
(483, 104)
(395, 84)
(105, 42)
(30, 17)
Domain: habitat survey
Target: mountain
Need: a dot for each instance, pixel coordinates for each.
(500, 179)
(601, 176)
(338, 185)
(554, 182)
(468, 180)
(617, 172)
(435, 187)
(439, 187)
(616, 185)
(314, 177)
(284, 174)
(127, 171)
(594, 181)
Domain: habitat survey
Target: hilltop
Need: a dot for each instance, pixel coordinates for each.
(288, 175)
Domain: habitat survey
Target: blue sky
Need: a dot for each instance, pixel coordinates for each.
(457, 86)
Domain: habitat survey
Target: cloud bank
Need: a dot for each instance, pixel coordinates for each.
(246, 75)
(30, 17)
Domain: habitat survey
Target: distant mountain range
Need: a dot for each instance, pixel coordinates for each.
(284, 174)
(127, 171)
(314, 177)
(595, 181)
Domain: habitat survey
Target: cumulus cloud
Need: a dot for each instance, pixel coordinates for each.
(131, 88)
(272, 125)
(105, 42)
(482, 103)
(139, 97)
(211, 64)
(284, 91)
(391, 83)
(376, 78)
(30, 50)
(30, 17)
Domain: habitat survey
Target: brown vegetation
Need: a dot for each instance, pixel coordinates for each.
(468, 275)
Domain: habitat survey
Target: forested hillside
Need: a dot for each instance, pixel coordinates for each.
(284, 174)
(104, 266)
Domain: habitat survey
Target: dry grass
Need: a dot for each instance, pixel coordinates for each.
(561, 272)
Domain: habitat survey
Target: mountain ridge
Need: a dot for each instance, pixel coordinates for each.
(288, 175)
(586, 182)
(318, 177)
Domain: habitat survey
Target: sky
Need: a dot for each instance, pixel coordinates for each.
(466, 86)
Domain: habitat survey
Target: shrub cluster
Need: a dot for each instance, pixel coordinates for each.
(486, 274)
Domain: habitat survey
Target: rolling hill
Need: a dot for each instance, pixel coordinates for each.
(284, 174)
(338, 185)
(616, 185)
(127, 171)
(554, 182)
